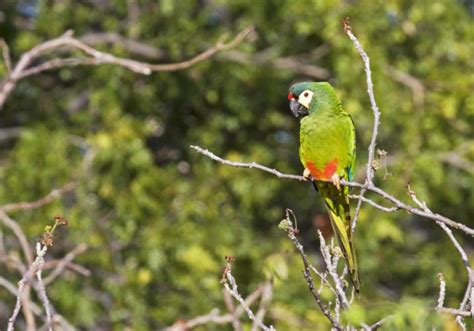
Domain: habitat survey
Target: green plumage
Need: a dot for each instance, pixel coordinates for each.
(327, 149)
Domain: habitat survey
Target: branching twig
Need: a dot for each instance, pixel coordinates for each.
(231, 286)
(40, 251)
(288, 227)
(370, 169)
(79, 249)
(331, 266)
(213, 316)
(370, 91)
(10, 287)
(231, 307)
(372, 203)
(34, 268)
(96, 57)
(470, 272)
(397, 203)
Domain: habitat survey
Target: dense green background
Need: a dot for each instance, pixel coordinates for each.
(159, 218)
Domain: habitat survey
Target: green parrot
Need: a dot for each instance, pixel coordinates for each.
(327, 152)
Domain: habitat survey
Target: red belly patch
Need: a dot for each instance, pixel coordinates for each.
(322, 174)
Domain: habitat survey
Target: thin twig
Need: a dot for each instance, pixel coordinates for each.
(264, 303)
(331, 267)
(456, 312)
(213, 316)
(307, 273)
(18, 232)
(442, 291)
(40, 251)
(231, 307)
(246, 165)
(372, 203)
(34, 268)
(370, 91)
(378, 324)
(370, 170)
(50, 197)
(233, 290)
(14, 290)
(470, 272)
(359, 198)
(79, 249)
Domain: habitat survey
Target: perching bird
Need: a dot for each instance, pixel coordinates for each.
(327, 151)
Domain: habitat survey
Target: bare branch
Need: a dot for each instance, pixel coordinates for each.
(264, 303)
(79, 249)
(397, 203)
(360, 198)
(34, 268)
(231, 307)
(370, 90)
(331, 267)
(370, 171)
(69, 265)
(378, 324)
(372, 203)
(96, 57)
(246, 165)
(13, 290)
(442, 291)
(40, 251)
(233, 290)
(307, 270)
(470, 273)
(50, 197)
(456, 312)
(213, 316)
(18, 232)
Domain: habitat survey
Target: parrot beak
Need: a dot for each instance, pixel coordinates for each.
(298, 109)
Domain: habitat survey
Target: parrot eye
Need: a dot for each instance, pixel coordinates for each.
(305, 98)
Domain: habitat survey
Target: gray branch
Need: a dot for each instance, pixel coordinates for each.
(370, 187)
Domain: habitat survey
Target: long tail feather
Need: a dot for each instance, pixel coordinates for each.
(339, 213)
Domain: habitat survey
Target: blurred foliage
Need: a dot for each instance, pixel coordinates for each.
(159, 218)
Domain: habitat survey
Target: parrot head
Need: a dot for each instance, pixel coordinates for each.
(307, 98)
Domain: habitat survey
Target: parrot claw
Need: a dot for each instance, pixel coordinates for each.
(336, 180)
(306, 174)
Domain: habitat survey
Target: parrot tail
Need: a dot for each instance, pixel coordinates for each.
(338, 207)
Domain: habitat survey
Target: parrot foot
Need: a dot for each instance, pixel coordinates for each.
(307, 174)
(336, 180)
